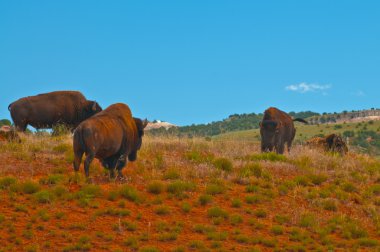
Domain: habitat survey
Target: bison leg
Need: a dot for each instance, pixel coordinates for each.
(87, 162)
(289, 145)
(21, 126)
(121, 162)
(77, 160)
(280, 148)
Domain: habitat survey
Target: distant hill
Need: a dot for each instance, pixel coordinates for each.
(346, 116)
(235, 122)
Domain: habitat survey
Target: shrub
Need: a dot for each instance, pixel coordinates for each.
(205, 199)
(131, 242)
(254, 169)
(186, 207)
(223, 164)
(62, 148)
(44, 196)
(366, 242)
(236, 219)
(129, 193)
(216, 212)
(112, 195)
(251, 188)
(307, 220)
(179, 187)
(253, 199)
(317, 179)
(277, 230)
(59, 191)
(156, 187)
(329, 205)
(213, 189)
(349, 187)
(149, 249)
(260, 213)
(282, 219)
(236, 203)
(6, 182)
(52, 179)
(268, 156)
(196, 245)
(301, 180)
(171, 174)
(29, 187)
(162, 210)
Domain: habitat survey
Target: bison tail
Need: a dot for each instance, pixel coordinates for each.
(300, 120)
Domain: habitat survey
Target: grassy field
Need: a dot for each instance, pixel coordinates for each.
(190, 195)
(304, 132)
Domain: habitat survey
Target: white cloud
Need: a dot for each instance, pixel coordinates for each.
(305, 87)
(358, 93)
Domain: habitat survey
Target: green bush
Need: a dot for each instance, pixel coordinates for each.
(156, 187)
(269, 156)
(29, 187)
(205, 199)
(129, 193)
(179, 187)
(7, 182)
(223, 164)
(44, 196)
(215, 188)
(216, 212)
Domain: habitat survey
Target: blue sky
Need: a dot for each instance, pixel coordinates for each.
(194, 61)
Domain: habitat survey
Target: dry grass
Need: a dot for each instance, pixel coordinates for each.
(305, 200)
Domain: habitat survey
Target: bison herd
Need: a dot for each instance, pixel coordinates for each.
(114, 136)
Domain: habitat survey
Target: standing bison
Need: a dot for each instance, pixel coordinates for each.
(276, 129)
(46, 110)
(111, 136)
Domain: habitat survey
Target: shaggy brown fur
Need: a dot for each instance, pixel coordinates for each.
(110, 136)
(46, 110)
(276, 130)
(332, 142)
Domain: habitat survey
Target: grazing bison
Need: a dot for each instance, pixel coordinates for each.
(332, 142)
(46, 110)
(111, 136)
(276, 129)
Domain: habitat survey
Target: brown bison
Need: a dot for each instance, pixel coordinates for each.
(111, 136)
(46, 110)
(332, 142)
(276, 129)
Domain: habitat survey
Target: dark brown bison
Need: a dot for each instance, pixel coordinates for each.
(111, 136)
(46, 110)
(332, 143)
(276, 129)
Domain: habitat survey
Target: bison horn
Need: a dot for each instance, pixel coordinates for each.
(94, 106)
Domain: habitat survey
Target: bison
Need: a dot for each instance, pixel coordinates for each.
(332, 143)
(46, 110)
(111, 136)
(276, 129)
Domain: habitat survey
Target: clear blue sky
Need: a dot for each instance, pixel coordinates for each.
(194, 61)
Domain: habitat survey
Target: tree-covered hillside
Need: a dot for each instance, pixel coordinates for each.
(235, 122)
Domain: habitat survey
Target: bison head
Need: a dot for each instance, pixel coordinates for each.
(268, 130)
(92, 107)
(140, 125)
